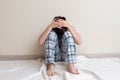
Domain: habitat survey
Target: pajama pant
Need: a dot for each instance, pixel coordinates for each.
(67, 52)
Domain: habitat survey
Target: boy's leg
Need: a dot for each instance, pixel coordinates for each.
(50, 45)
(69, 49)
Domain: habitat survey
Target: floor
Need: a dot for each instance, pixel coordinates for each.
(90, 69)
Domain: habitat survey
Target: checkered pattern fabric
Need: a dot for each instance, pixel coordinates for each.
(66, 53)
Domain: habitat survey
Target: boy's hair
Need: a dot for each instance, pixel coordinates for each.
(58, 31)
(59, 17)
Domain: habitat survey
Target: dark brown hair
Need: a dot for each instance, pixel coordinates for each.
(59, 32)
(59, 17)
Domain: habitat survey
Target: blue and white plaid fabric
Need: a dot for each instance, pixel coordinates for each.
(66, 53)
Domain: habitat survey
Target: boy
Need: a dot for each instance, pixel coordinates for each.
(59, 39)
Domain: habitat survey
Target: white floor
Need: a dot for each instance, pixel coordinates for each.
(90, 69)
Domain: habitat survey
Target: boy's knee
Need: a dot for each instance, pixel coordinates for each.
(68, 36)
(50, 42)
(52, 36)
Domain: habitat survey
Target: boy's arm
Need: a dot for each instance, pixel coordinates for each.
(44, 35)
(75, 34)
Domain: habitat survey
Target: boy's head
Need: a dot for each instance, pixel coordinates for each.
(59, 17)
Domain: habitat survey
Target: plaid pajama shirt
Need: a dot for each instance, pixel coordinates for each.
(66, 53)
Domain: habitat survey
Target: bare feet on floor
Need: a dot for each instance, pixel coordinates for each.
(50, 69)
(72, 68)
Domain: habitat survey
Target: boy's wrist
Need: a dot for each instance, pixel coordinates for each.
(50, 27)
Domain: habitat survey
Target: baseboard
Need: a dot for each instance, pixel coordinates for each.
(30, 57)
(101, 55)
(19, 57)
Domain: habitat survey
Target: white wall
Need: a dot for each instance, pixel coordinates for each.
(22, 21)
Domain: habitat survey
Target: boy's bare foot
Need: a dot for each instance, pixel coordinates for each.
(50, 69)
(72, 68)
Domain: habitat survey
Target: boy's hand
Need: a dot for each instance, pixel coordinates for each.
(53, 24)
(64, 23)
(59, 23)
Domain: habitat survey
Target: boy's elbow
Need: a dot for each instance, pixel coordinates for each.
(78, 43)
(40, 43)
